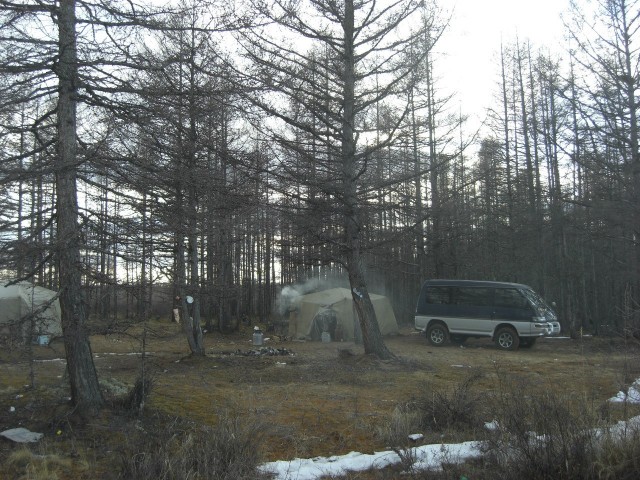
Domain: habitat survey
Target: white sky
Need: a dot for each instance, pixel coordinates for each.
(472, 43)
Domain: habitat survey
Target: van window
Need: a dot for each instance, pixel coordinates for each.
(510, 298)
(542, 308)
(439, 295)
(480, 297)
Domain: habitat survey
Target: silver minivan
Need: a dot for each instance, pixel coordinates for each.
(512, 314)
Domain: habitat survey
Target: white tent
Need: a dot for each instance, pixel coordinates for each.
(28, 312)
(332, 311)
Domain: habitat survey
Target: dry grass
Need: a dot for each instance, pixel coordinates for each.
(316, 402)
(43, 466)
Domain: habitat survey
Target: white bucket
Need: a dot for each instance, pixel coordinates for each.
(44, 340)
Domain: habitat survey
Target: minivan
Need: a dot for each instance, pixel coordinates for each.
(512, 314)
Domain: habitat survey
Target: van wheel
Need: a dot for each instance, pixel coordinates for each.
(437, 334)
(507, 338)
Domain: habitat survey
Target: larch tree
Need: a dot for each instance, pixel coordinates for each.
(606, 52)
(188, 130)
(83, 379)
(320, 85)
(52, 59)
(63, 62)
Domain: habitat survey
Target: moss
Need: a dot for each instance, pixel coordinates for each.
(314, 403)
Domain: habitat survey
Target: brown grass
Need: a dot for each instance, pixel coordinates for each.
(316, 402)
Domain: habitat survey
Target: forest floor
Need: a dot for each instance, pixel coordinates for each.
(312, 398)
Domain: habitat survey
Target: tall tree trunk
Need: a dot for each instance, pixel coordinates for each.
(417, 168)
(507, 153)
(436, 233)
(536, 185)
(142, 307)
(85, 390)
(21, 261)
(371, 336)
(192, 324)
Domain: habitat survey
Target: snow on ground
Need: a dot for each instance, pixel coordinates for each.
(632, 395)
(425, 457)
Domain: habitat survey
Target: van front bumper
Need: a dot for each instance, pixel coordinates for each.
(553, 329)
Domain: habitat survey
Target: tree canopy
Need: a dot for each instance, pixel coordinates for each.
(224, 153)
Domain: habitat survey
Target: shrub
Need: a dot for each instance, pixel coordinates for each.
(540, 437)
(404, 421)
(228, 451)
(137, 396)
(618, 457)
(459, 409)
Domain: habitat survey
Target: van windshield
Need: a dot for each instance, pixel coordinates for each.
(542, 307)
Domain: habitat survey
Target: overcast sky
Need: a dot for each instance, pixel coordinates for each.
(472, 43)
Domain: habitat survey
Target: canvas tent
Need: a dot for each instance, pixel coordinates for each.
(29, 312)
(333, 311)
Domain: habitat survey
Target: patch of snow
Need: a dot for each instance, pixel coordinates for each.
(492, 425)
(427, 457)
(632, 395)
(21, 435)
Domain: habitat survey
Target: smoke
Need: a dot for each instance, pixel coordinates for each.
(290, 293)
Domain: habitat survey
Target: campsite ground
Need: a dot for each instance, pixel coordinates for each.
(311, 398)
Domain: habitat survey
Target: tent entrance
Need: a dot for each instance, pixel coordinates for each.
(325, 321)
(315, 313)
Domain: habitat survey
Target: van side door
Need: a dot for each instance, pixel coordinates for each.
(473, 311)
(511, 306)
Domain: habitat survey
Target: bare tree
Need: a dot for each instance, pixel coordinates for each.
(606, 91)
(339, 62)
(63, 74)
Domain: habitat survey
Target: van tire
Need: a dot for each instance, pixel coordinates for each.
(437, 334)
(507, 338)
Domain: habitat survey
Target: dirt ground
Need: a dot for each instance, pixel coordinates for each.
(315, 398)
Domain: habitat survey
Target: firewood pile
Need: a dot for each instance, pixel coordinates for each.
(264, 351)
